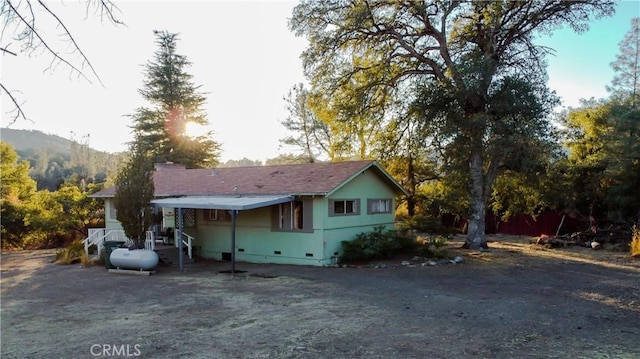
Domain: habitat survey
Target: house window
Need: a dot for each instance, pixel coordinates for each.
(342, 207)
(291, 215)
(219, 215)
(295, 216)
(378, 206)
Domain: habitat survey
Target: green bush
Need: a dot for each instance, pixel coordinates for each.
(434, 247)
(378, 244)
(71, 254)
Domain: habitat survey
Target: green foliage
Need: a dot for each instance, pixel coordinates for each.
(74, 253)
(307, 133)
(626, 80)
(244, 162)
(517, 193)
(160, 131)
(134, 192)
(17, 191)
(422, 223)
(434, 247)
(475, 90)
(603, 167)
(377, 244)
(56, 161)
(287, 159)
(42, 219)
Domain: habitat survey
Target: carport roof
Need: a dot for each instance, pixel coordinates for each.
(239, 203)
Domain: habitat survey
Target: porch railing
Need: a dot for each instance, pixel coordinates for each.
(97, 237)
(150, 241)
(187, 240)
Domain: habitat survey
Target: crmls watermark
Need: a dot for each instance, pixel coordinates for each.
(115, 350)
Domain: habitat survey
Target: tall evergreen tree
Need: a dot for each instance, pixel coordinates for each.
(626, 79)
(160, 130)
(623, 142)
(134, 192)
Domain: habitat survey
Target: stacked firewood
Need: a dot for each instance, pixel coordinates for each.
(614, 235)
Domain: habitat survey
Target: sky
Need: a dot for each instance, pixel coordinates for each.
(244, 58)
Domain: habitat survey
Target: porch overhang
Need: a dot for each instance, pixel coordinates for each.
(238, 203)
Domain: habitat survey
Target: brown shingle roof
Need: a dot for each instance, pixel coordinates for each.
(311, 178)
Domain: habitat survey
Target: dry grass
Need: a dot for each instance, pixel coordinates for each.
(71, 254)
(635, 242)
(518, 250)
(86, 261)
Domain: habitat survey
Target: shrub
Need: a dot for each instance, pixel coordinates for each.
(85, 260)
(71, 254)
(434, 247)
(378, 244)
(635, 242)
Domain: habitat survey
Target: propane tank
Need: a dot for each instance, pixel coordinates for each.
(142, 259)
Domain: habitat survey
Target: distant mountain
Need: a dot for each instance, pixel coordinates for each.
(23, 140)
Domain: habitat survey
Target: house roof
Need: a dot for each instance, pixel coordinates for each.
(172, 180)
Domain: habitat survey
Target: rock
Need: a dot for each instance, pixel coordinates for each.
(405, 263)
(458, 259)
(432, 263)
(417, 259)
(596, 245)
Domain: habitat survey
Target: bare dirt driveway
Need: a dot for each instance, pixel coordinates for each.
(512, 302)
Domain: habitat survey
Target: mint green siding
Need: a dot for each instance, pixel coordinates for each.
(258, 242)
(338, 228)
(255, 240)
(110, 221)
(325, 224)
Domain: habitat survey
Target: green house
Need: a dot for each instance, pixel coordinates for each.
(288, 214)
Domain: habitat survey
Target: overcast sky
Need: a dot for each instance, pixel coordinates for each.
(245, 59)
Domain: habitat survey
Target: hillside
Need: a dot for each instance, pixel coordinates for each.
(54, 160)
(23, 140)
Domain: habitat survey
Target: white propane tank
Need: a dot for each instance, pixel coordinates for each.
(141, 259)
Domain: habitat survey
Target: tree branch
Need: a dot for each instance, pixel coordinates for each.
(32, 38)
(34, 32)
(75, 44)
(18, 107)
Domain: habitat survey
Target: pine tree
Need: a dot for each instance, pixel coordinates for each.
(626, 80)
(160, 131)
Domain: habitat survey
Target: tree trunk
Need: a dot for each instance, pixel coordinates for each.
(411, 200)
(477, 213)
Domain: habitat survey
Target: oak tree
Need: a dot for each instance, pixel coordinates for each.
(462, 62)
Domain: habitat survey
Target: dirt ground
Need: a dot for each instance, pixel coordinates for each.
(514, 301)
